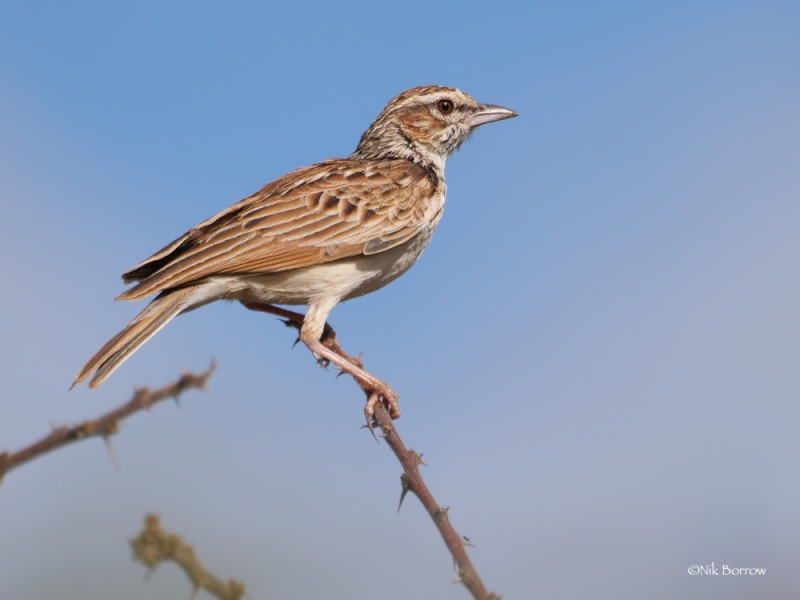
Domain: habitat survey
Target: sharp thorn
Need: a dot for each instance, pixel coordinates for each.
(111, 453)
(371, 430)
(406, 487)
(402, 497)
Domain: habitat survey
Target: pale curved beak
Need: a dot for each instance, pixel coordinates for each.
(489, 113)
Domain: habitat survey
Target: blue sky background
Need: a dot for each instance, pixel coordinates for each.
(598, 353)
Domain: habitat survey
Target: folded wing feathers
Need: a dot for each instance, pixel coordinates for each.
(308, 217)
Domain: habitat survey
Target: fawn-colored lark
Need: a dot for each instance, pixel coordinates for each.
(319, 235)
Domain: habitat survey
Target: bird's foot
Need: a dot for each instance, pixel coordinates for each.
(375, 389)
(388, 397)
(327, 350)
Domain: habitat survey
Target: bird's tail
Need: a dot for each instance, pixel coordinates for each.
(158, 313)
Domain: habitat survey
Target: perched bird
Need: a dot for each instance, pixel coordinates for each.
(317, 236)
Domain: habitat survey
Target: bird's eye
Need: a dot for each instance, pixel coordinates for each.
(445, 106)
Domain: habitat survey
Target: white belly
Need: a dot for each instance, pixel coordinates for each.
(339, 280)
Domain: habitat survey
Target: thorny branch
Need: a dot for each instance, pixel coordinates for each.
(155, 545)
(411, 479)
(106, 425)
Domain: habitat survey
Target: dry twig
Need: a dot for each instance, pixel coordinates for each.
(106, 425)
(155, 545)
(411, 479)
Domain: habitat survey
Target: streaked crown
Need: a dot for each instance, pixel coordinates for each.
(426, 125)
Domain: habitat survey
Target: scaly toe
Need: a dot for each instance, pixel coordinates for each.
(369, 412)
(390, 401)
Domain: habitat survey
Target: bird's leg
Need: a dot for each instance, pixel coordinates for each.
(293, 319)
(327, 348)
(372, 386)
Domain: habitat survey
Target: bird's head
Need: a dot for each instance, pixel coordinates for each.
(426, 125)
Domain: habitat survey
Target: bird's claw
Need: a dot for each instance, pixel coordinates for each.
(369, 413)
(388, 398)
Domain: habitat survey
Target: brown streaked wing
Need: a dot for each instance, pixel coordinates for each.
(168, 253)
(329, 211)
